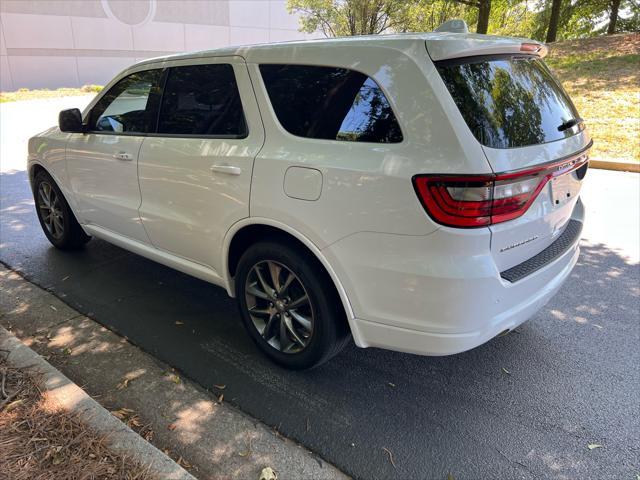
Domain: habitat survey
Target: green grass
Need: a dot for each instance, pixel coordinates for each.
(26, 94)
(602, 76)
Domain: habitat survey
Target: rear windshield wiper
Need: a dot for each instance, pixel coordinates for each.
(570, 124)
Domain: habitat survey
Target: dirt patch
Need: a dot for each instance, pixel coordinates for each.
(40, 441)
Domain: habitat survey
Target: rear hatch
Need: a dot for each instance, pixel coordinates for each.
(528, 128)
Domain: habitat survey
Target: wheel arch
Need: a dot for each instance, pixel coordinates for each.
(246, 232)
(34, 169)
(36, 166)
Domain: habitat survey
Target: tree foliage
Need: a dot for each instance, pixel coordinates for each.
(524, 18)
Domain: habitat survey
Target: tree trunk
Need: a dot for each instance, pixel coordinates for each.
(613, 17)
(552, 31)
(484, 9)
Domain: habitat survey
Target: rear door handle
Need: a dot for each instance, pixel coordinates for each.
(228, 169)
(122, 156)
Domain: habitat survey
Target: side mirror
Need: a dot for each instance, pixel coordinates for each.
(70, 121)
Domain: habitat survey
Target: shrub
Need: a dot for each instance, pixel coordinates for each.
(91, 88)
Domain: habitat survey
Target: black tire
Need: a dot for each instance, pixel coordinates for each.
(61, 228)
(329, 333)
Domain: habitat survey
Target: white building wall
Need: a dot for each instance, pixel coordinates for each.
(65, 43)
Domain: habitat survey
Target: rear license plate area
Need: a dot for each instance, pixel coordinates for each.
(564, 188)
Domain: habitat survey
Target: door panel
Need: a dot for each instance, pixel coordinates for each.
(105, 186)
(196, 185)
(102, 164)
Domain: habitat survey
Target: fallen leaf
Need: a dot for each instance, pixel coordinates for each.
(178, 322)
(593, 446)
(124, 384)
(390, 456)
(174, 378)
(66, 351)
(392, 384)
(450, 477)
(13, 404)
(148, 436)
(53, 308)
(172, 426)
(65, 278)
(220, 387)
(504, 370)
(268, 473)
(248, 452)
(220, 398)
(183, 463)
(122, 413)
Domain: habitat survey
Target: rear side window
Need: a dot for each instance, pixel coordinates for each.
(202, 100)
(509, 101)
(130, 106)
(330, 103)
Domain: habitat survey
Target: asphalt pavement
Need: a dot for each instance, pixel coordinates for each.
(526, 405)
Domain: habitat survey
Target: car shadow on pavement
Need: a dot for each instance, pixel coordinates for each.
(526, 405)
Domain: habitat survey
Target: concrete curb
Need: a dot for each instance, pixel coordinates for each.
(617, 166)
(120, 438)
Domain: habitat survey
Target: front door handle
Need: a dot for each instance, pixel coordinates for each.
(122, 156)
(228, 169)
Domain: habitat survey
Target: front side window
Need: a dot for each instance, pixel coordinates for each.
(129, 106)
(330, 103)
(202, 100)
(509, 101)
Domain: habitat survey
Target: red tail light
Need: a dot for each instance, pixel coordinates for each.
(469, 201)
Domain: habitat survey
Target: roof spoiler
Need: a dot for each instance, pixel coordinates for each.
(450, 45)
(453, 26)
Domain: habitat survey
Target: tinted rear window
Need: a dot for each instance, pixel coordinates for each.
(330, 103)
(509, 101)
(202, 100)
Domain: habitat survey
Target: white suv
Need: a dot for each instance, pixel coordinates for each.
(417, 192)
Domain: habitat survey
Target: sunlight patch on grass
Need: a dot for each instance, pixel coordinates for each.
(603, 79)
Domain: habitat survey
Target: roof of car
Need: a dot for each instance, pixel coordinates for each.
(448, 44)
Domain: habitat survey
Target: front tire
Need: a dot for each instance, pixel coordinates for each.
(55, 216)
(289, 306)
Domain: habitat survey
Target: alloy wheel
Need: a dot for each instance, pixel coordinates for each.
(50, 210)
(279, 306)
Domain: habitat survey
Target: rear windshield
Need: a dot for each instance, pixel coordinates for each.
(509, 101)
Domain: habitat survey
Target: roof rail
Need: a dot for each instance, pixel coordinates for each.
(453, 26)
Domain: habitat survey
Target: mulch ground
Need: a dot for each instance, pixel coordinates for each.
(40, 441)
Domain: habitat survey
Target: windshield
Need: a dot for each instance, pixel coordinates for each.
(510, 101)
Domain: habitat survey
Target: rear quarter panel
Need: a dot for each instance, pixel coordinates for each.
(365, 186)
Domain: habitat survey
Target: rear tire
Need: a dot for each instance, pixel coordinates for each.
(58, 222)
(273, 279)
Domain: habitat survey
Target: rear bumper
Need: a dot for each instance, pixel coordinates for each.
(375, 334)
(440, 294)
